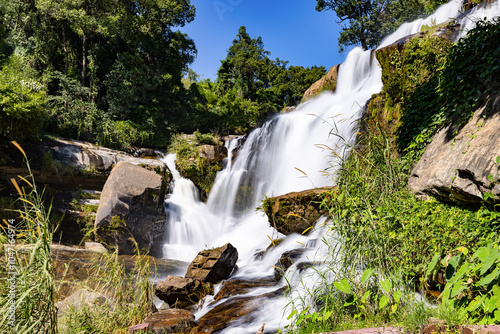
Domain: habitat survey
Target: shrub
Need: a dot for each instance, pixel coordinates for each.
(22, 102)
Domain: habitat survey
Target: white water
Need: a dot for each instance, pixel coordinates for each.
(291, 152)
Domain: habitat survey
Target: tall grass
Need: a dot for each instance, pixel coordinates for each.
(27, 283)
(125, 298)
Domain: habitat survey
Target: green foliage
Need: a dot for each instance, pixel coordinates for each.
(469, 74)
(472, 282)
(22, 101)
(382, 226)
(366, 23)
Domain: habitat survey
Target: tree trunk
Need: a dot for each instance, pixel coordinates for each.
(65, 51)
(84, 58)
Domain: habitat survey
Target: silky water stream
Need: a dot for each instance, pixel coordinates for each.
(291, 152)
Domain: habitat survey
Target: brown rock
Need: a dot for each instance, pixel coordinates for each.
(241, 286)
(170, 321)
(212, 152)
(296, 212)
(327, 83)
(457, 167)
(175, 289)
(213, 265)
(131, 206)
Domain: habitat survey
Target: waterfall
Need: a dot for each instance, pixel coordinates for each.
(291, 152)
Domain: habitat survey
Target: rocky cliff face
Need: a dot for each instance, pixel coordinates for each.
(327, 83)
(464, 167)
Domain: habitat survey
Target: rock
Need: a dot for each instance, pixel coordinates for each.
(457, 168)
(296, 212)
(82, 298)
(138, 328)
(234, 311)
(175, 289)
(286, 260)
(288, 109)
(213, 265)
(170, 321)
(131, 206)
(92, 157)
(327, 83)
(241, 286)
(214, 153)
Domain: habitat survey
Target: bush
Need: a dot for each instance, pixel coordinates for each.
(22, 102)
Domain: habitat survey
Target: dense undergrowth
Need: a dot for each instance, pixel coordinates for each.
(392, 243)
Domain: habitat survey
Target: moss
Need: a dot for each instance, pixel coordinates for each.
(191, 165)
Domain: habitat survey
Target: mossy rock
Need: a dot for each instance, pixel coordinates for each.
(297, 212)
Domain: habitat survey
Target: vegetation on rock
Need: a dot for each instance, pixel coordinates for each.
(191, 164)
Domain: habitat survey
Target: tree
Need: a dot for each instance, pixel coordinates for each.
(245, 66)
(250, 86)
(367, 22)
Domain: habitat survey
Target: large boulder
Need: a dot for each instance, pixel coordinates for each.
(213, 265)
(174, 290)
(296, 212)
(462, 168)
(327, 83)
(131, 209)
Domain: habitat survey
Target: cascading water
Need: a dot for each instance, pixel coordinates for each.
(291, 152)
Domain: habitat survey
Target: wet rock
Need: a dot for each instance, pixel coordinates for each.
(170, 321)
(234, 311)
(296, 212)
(286, 260)
(175, 289)
(213, 265)
(241, 286)
(327, 83)
(458, 167)
(131, 206)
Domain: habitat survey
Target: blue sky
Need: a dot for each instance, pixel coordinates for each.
(290, 30)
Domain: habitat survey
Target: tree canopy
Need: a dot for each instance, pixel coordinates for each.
(105, 63)
(367, 22)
